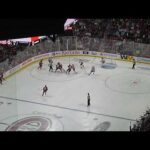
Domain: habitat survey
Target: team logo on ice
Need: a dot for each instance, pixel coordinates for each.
(102, 126)
(34, 123)
(37, 121)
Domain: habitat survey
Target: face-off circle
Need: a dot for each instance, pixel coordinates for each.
(45, 75)
(32, 122)
(130, 83)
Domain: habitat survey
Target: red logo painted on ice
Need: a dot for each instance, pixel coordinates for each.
(34, 123)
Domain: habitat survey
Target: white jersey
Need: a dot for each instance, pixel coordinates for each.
(50, 60)
(51, 63)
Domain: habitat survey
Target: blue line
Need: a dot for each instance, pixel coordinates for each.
(68, 108)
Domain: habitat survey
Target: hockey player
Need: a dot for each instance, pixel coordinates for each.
(69, 69)
(50, 60)
(81, 64)
(50, 66)
(103, 60)
(45, 89)
(1, 78)
(73, 67)
(92, 70)
(134, 63)
(58, 66)
(40, 64)
(61, 67)
(88, 100)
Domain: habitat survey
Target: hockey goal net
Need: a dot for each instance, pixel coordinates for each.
(108, 63)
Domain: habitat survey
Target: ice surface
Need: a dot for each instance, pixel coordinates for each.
(118, 96)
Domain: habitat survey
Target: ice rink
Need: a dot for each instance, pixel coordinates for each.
(119, 96)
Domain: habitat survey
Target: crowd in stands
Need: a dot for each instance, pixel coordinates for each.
(8, 51)
(12, 55)
(90, 27)
(143, 124)
(16, 54)
(137, 30)
(93, 34)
